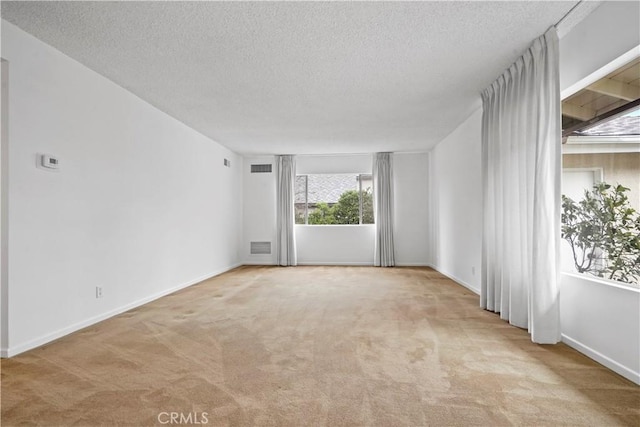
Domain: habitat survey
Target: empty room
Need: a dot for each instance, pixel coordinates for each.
(320, 213)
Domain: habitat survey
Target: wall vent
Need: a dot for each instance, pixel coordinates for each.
(260, 248)
(227, 163)
(261, 168)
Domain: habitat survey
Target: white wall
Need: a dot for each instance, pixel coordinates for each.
(343, 163)
(4, 212)
(455, 212)
(411, 236)
(608, 33)
(340, 244)
(600, 319)
(335, 244)
(141, 206)
(259, 217)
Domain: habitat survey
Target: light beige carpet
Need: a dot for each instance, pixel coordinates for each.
(317, 346)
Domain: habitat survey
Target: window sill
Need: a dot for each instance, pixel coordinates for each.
(334, 225)
(604, 282)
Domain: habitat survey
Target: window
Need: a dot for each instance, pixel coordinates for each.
(601, 182)
(334, 199)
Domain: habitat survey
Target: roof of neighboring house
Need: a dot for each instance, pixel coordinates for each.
(326, 188)
(626, 125)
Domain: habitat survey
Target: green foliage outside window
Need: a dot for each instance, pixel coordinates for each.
(322, 214)
(345, 211)
(367, 207)
(603, 231)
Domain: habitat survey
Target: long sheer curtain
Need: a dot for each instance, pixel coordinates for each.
(286, 244)
(383, 209)
(521, 133)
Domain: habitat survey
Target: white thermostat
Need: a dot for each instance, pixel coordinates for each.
(49, 161)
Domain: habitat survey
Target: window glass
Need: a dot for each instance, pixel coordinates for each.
(601, 202)
(334, 199)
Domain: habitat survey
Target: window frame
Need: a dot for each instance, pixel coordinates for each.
(359, 178)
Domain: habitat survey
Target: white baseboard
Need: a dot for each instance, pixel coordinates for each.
(337, 263)
(456, 279)
(44, 339)
(367, 263)
(330, 263)
(616, 367)
(258, 263)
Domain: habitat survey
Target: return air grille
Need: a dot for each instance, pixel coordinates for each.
(260, 248)
(261, 168)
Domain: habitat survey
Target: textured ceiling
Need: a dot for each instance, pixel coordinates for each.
(302, 78)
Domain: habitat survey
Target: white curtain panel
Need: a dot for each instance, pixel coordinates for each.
(383, 209)
(286, 243)
(521, 161)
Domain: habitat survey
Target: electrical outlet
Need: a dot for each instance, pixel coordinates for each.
(473, 271)
(98, 292)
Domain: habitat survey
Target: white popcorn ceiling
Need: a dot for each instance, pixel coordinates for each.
(294, 77)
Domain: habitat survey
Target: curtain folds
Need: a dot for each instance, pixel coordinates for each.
(521, 162)
(286, 243)
(383, 209)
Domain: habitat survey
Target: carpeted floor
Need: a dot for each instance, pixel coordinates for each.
(317, 346)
